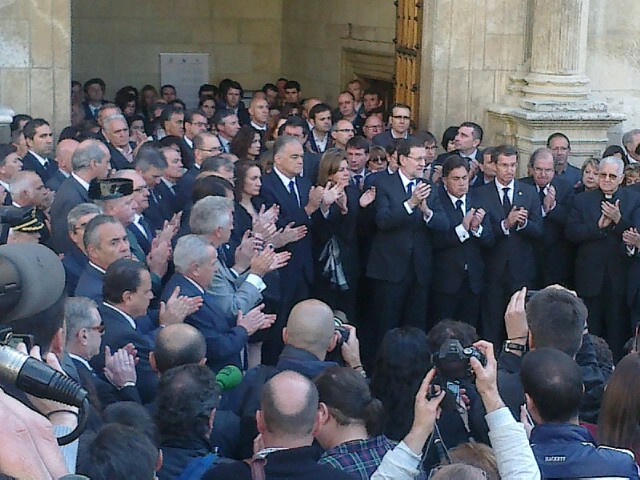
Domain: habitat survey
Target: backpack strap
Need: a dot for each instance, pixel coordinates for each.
(197, 467)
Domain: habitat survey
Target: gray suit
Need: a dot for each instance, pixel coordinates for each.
(232, 292)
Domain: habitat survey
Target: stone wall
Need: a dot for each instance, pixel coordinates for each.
(120, 40)
(320, 39)
(35, 58)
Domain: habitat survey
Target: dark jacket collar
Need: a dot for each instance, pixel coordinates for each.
(301, 361)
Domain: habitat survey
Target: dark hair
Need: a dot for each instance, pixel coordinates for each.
(619, 420)
(405, 146)
(558, 135)
(242, 170)
(556, 319)
(168, 112)
(221, 115)
(347, 92)
(287, 108)
(347, 395)
(553, 380)
(228, 85)
(182, 348)
(94, 81)
(449, 135)
(149, 155)
(210, 186)
(611, 150)
(319, 108)
(6, 149)
(425, 137)
(289, 423)
(29, 130)
(477, 129)
(167, 85)
(123, 275)
(358, 143)
(241, 143)
(179, 103)
(207, 87)
(123, 97)
(269, 86)
(14, 126)
(402, 363)
(134, 415)
(91, 227)
(189, 114)
(216, 163)
(292, 84)
(452, 162)
(168, 142)
(451, 329)
(186, 396)
(505, 151)
(119, 452)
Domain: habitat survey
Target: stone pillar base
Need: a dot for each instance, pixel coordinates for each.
(527, 127)
(6, 116)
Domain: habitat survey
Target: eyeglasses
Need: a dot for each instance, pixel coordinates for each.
(432, 147)
(400, 117)
(378, 160)
(100, 328)
(610, 176)
(214, 149)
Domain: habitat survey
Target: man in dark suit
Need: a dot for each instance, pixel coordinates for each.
(196, 263)
(513, 208)
(400, 260)
(90, 160)
(150, 163)
(116, 132)
(94, 89)
(10, 164)
(467, 142)
(399, 124)
(553, 252)
(170, 200)
(358, 156)
(195, 123)
(64, 154)
(294, 126)
(39, 137)
(298, 200)
(596, 224)
(227, 125)
(84, 334)
(458, 265)
(75, 259)
(232, 100)
(205, 145)
(559, 144)
(320, 135)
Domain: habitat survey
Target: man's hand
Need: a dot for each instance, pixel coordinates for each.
(437, 174)
(549, 199)
(255, 320)
(158, 258)
(315, 197)
(178, 307)
(170, 228)
(603, 221)
(468, 218)
(288, 234)
(367, 197)
(264, 230)
(474, 167)
(425, 413)
(350, 349)
(245, 252)
(261, 263)
(477, 219)
(420, 193)
(515, 318)
(487, 377)
(119, 368)
(631, 237)
(611, 211)
(523, 215)
(512, 218)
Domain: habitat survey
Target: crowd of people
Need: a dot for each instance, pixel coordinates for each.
(291, 290)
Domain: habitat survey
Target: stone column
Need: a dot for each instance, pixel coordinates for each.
(558, 50)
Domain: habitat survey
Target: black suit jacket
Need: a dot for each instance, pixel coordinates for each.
(118, 332)
(187, 153)
(402, 240)
(56, 180)
(273, 191)
(70, 194)
(311, 143)
(118, 160)
(107, 393)
(513, 252)
(29, 162)
(452, 258)
(169, 202)
(311, 164)
(600, 250)
(553, 253)
(385, 139)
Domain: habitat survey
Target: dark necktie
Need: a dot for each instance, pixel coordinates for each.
(357, 180)
(541, 195)
(292, 191)
(459, 210)
(410, 188)
(506, 203)
(145, 226)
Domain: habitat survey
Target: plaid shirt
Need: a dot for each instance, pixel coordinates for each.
(359, 457)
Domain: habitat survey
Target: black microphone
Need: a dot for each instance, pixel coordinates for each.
(38, 379)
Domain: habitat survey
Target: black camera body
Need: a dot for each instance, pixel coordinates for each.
(7, 337)
(452, 360)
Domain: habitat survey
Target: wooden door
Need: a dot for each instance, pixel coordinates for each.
(408, 44)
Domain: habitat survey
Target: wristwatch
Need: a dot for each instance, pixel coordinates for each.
(511, 347)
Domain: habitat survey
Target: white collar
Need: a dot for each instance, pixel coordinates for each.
(200, 289)
(100, 269)
(84, 184)
(187, 141)
(454, 199)
(406, 134)
(283, 178)
(168, 183)
(81, 360)
(500, 187)
(6, 186)
(472, 155)
(40, 159)
(405, 180)
(125, 315)
(258, 127)
(64, 174)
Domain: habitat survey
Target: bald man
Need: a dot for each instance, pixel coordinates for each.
(64, 152)
(287, 420)
(309, 335)
(179, 344)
